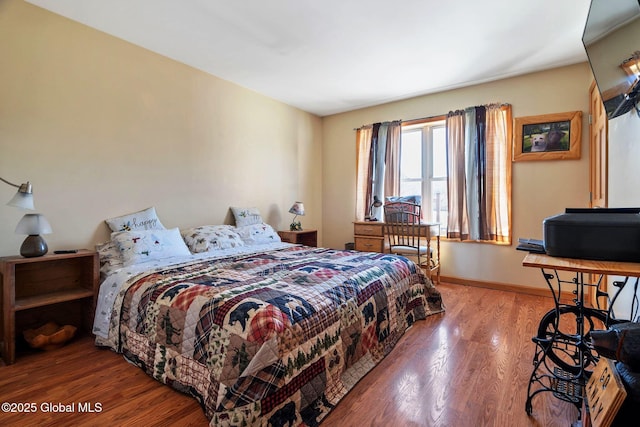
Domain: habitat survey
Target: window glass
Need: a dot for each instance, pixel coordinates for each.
(439, 203)
(423, 169)
(410, 188)
(439, 153)
(411, 155)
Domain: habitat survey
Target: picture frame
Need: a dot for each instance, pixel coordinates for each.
(547, 137)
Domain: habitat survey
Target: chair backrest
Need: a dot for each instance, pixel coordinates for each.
(402, 224)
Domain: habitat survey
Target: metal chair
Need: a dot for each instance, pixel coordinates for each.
(405, 233)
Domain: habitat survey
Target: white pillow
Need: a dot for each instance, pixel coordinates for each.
(246, 216)
(146, 245)
(258, 234)
(146, 219)
(110, 257)
(211, 237)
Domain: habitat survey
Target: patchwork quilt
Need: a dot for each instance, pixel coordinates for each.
(274, 338)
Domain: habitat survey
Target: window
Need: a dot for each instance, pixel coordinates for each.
(423, 168)
(459, 165)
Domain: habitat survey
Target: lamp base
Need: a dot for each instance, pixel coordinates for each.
(33, 246)
(295, 226)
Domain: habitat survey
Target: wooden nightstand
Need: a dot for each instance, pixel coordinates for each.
(369, 236)
(59, 287)
(304, 237)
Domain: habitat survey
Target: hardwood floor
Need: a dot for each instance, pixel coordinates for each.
(467, 367)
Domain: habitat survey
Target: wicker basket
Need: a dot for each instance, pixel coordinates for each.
(49, 336)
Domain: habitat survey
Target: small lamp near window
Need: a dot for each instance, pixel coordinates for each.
(33, 225)
(376, 204)
(296, 209)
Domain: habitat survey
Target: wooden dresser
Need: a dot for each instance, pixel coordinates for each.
(369, 236)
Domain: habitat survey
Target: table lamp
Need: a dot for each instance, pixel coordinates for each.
(33, 225)
(296, 209)
(376, 204)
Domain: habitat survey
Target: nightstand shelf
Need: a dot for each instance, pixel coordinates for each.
(58, 287)
(51, 298)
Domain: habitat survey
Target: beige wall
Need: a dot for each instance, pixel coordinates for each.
(102, 128)
(540, 189)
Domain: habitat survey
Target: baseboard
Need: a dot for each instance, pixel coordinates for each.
(529, 290)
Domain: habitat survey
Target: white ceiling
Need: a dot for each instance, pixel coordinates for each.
(332, 56)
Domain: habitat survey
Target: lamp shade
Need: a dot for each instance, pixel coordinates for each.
(297, 209)
(24, 197)
(33, 224)
(22, 201)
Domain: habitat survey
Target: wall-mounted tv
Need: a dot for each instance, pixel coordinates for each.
(612, 38)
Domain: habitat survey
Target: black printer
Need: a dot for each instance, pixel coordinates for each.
(599, 234)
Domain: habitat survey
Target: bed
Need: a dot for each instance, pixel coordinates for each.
(267, 334)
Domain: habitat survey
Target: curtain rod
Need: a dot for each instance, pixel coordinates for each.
(419, 119)
(408, 121)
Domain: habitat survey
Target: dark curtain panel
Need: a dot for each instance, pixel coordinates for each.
(481, 153)
(372, 162)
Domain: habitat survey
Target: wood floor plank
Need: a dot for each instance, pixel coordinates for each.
(467, 367)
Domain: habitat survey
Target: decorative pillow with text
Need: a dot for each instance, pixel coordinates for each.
(146, 219)
(246, 216)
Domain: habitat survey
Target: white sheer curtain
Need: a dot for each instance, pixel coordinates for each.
(498, 175)
(458, 220)
(363, 154)
(392, 160)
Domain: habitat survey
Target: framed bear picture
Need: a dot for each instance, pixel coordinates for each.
(547, 137)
